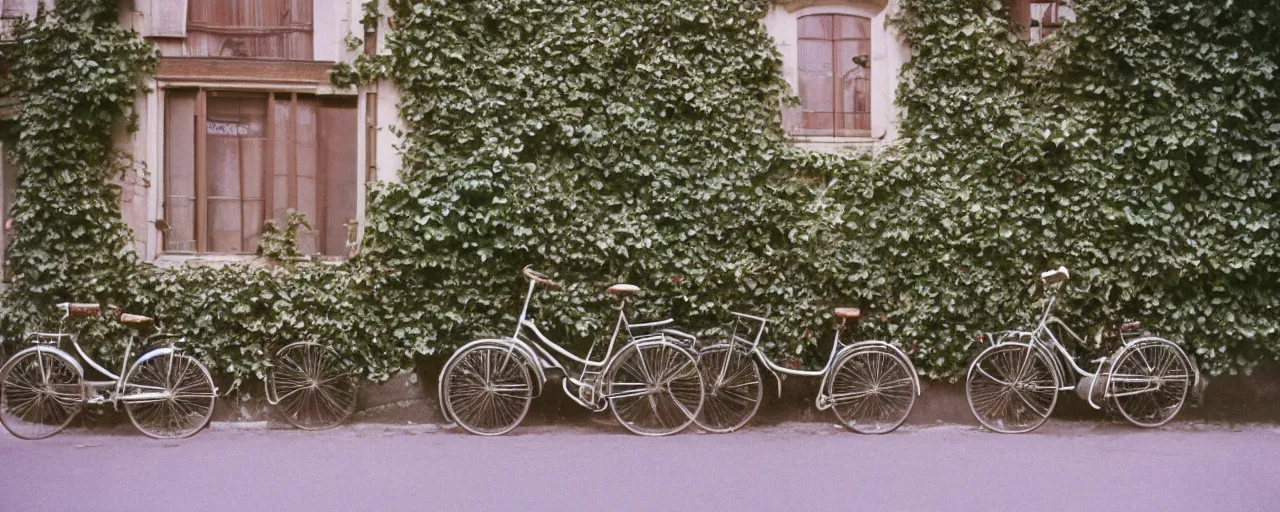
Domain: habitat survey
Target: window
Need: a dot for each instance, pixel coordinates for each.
(834, 55)
(1041, 18)
(234, 159)
(10, 12)
(267, 29)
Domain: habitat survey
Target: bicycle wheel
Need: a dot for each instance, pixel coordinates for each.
(487, 389)
(312, 389)
(872, 391)
(1149, 382)
(733, 388)
(654, 388)
(40, 393)
(1011, 388)
(169, 396)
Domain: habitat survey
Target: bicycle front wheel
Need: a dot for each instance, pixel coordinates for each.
(40, 393)
(872, 391)
(654, 388)
(1012, 388)
(312, 389)
(169, 396)
(733, 388)
(487, 389)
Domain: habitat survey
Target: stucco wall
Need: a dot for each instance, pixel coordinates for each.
(336, 19)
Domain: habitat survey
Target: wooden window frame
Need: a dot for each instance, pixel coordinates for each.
(799, 131)
(1020, 14)
(201, 168)
(247, 33)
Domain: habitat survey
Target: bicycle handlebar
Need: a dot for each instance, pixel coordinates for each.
(538, 277)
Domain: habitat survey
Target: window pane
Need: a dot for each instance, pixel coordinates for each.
(852, 27)
(179, 170)
(815, 75)
(282, 157)
(305, 188)
(853, 80)
(322, 185)
(280, 29)
(815, 26)
(339, 172)
(236, 138)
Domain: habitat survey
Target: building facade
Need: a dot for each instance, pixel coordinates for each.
(241, 123)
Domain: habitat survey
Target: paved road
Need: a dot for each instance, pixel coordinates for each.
(791, 467)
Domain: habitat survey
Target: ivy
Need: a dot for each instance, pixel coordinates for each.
(75, 73)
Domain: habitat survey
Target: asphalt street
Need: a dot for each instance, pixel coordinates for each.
(789, 467)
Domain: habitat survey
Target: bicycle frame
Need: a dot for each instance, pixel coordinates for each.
(539, 350)
(752, 348)
(1056, 351)
(114, 386)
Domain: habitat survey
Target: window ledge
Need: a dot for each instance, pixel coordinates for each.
(836, 144)
(816, 139)
(217, 260)
(224, 69)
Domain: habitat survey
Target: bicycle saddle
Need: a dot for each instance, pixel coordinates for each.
(1055, 276)
(81, 308)
(128, 318)
(849, 313)
(622, 289)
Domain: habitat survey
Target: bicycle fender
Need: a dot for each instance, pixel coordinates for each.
(152, 355)
(863, 345)
(61, 354)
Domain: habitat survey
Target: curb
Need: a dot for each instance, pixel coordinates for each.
(410, 398)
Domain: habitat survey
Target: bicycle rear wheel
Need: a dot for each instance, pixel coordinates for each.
(312, 389)
(40, 393)
(1149, 382)
(169, 396)
(1012, 388)
(654, 388)
(872, 391)
(733, 388)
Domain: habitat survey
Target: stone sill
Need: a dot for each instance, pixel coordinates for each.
(835, 144)
(180, 259)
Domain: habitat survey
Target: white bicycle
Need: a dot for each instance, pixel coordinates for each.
(167, 394)
(870, 385)
(651, 384)
(1013, 385)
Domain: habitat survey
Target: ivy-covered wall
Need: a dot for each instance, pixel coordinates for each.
(612, 140)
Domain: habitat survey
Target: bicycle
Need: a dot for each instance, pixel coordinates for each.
(167, 394)
(651, 384)
(1013, 385)
(870, 385)
(319, 388)
(319, 392)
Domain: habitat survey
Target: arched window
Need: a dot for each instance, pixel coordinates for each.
(834, 53)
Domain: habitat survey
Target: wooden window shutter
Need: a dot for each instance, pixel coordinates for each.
(168, 18)
(1021, 14)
